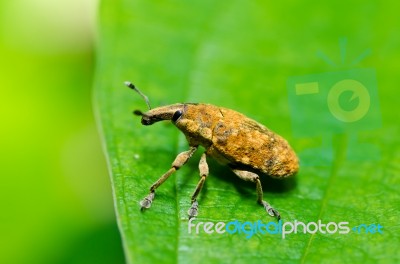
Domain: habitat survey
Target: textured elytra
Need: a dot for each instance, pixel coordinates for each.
(236, 140)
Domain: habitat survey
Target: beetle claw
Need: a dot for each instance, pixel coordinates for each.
(146, 202)
(271, 211)
(194, 209)
(275, 213)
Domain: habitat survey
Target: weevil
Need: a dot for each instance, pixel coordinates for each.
(249, 148)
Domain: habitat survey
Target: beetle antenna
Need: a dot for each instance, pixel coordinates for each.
(133, 87)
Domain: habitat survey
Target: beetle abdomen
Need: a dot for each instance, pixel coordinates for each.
(244, 142)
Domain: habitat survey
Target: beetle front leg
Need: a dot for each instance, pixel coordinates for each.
(179, 161)
(250, 176)
(203, 167)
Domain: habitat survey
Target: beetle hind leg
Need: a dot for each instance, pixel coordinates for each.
(250, 176)
(203, 167)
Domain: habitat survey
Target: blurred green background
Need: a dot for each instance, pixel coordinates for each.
(56, 203)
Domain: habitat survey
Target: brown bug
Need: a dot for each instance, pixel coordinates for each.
(231, 138)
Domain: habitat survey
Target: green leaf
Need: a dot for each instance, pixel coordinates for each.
(240, 55)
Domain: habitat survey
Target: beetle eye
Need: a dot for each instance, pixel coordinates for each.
(176, 115)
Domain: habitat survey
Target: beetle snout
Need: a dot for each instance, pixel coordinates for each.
(146, 121)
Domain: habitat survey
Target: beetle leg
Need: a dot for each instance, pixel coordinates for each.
(179, 161)
(250, 176)
(203, 167)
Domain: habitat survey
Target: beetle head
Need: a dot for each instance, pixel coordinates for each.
(169, 112)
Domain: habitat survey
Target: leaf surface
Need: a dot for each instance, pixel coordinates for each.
(240, 55)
